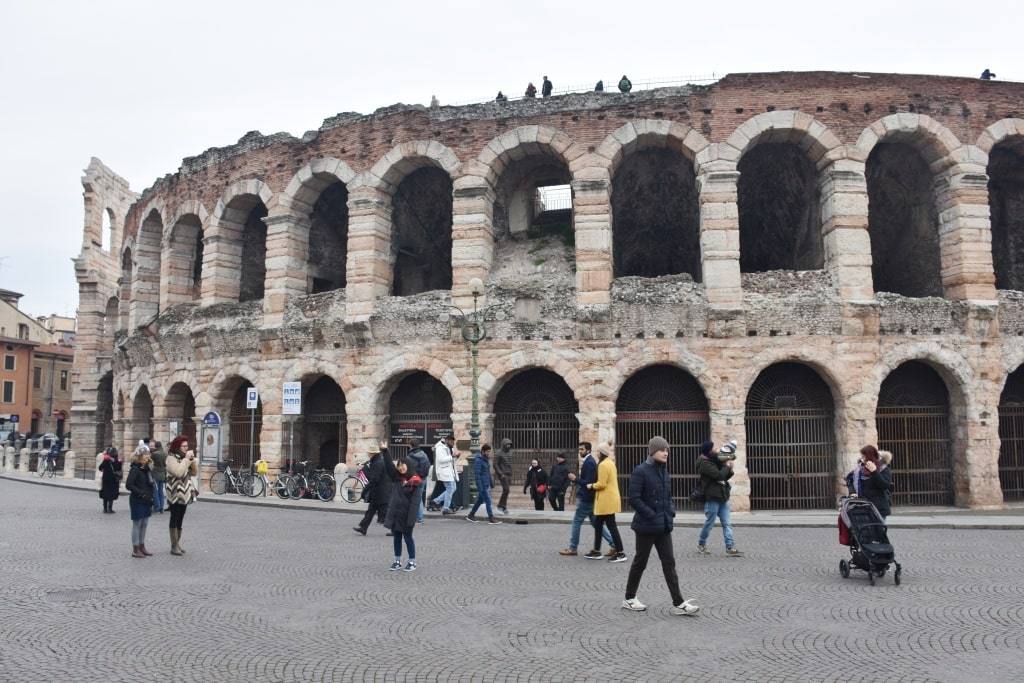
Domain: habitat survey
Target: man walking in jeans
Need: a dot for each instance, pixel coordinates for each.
(651, 497)
(482, 472)
(584, 499)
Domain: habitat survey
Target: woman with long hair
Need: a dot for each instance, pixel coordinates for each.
(140, 485)
(181, 467)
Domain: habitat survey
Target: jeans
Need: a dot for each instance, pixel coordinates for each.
(409, 544)
(584, 510)
(600, 521)
(421, 493)
(483, 495)
(716, 509)
(159, 496)
(139, 531)
(644, 543)
(445, 499)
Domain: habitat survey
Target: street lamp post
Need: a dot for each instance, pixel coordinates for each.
(474, 332)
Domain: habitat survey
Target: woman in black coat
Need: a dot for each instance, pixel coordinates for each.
(537, 483)
(110, 482)
(140, 485)
(403, 507)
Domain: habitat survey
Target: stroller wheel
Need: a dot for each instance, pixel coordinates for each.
(844, 569)
(896, 576)
(871, 577)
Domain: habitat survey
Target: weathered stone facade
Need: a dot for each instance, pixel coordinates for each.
(190, 327)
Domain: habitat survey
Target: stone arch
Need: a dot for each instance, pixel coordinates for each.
(813, 137)
(179, 405)
(936, 143)
(377, 392)
(124, 282)
(406, 158)
(142, 414)
(1003, 142)
(495, 374)
(183, 261)
(235, 254)
(311, 180)
(521, 142)
(323, 437)
(645, 134)
(415, 403)
(111, 323)
(636, 359)
(145, 299)
(108, 223)
(227, 394)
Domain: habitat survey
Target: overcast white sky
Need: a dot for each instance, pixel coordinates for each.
(142, 84)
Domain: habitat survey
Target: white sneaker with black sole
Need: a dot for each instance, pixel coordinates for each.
(621, 557)
(686, 609)
(411, 567)
(633, 605)
(395, 566)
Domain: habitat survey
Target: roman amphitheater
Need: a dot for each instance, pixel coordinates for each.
(806, 262)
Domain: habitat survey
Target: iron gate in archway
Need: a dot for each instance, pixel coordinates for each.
(913, 423)
(791, 448)
(420, 407)
(661, 400)
(1011, 437)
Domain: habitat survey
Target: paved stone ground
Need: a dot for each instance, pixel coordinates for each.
(282, 595)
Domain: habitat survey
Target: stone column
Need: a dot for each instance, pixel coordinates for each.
(720, 247)
(727, 422)
(965, 232)
(472, 236)
(222, 260)
(844, 218)
(592, 218)
(368, 266)
(365, 424)
(287, 258)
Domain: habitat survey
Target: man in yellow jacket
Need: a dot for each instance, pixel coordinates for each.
(607, 502)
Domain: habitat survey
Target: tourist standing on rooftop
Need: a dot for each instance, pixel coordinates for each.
(531, 90)
(546, 87)
(625, 85)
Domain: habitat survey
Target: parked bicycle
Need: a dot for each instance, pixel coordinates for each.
(244, 482)
(305, 481)
(352, 486)
(46, 466)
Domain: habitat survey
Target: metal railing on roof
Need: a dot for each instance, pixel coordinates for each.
(611, 87)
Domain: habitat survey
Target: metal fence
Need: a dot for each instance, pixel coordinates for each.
(611, 87)
(1011, 452)
(684, 430)
(538, 436)
(922, 468)
(791, 458)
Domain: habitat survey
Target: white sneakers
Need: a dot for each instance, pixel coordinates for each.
(685, 608)
(633, 605)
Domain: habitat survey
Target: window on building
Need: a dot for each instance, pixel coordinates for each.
(8, 362)
(37, 377)
(22, 331)
(8, 392)
(63, 380)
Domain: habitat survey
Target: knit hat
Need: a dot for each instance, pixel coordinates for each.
(730, 447)
(656, 444)
(506, 441)
(707, 447)
(606, 449)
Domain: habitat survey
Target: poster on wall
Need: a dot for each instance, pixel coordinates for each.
(291, 398)
(427, 432)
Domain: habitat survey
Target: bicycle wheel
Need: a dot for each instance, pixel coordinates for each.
(219, 483)
(40, 467)
(51, 472)
(325, 487)
(351, 490)
(296, 486)
(256, 486)
(281, 486)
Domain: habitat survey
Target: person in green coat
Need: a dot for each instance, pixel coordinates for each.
(625, 85)
(715, 470)
(159, 469)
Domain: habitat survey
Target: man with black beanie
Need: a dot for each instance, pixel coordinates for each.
(650, 495)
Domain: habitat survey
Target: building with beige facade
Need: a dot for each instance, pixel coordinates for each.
(806, 262)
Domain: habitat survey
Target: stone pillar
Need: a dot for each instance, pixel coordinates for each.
(720, 247)
(965, 232)
(69, 465)
(592, 219)
(844, 218)
(23, 459)
(287, 259)
(472, 236)
(273, 434)
(222, 258)
(368, 266)
(8, 458)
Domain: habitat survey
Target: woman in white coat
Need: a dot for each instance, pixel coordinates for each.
(444, 469)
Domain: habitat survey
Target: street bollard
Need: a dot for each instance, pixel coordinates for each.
(23, 461)
(69, 464)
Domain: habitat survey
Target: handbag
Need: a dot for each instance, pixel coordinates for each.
(697, 494)
(541, 489)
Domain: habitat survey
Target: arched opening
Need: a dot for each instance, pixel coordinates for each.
(902, 222)
(111, 319)
(779, 210)
(324, 436)
(181, 412)
(536, 409)
(791, 444)
(85, 467)
(421, 241)
(244, 425)
(328, 239)
(142, 415)
(125, 284)
(420, 407)
(1011, 436)
(661, 400)
(913, 423)
(1006, 203)
(146, 283)
(254, 248)
(655, 215)
(186, 260)
(106, 230)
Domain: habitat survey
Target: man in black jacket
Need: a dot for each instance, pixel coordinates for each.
(378, 491)
(558, 482)
(419, 454)
(650, 495)
(503, 468)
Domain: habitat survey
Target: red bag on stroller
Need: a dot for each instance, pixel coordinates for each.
(844, 532)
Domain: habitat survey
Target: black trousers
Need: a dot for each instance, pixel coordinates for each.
(557, 499)
(504, 483)
(600, 522)
(663, 543)
(371, 510)
(177, 514)
(538, 501)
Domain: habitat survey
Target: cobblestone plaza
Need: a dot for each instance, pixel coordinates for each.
(287, 595)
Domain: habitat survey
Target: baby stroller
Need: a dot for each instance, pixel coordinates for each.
(862, 529)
